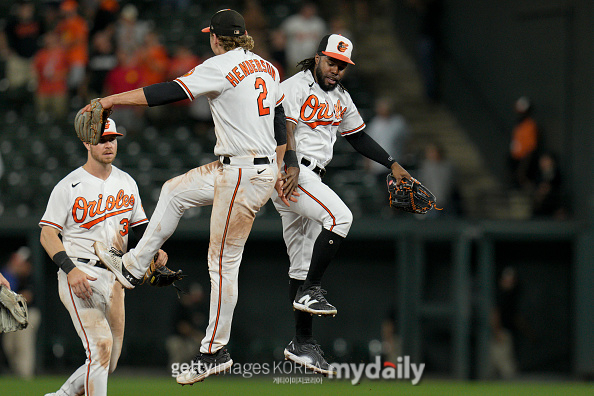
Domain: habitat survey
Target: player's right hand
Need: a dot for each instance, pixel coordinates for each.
(79, 283)
(288, 187)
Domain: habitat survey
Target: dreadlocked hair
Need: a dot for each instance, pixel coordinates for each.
(230, 43)
(308, 64)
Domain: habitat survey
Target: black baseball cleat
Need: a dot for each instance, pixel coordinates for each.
(309, 355)
(204, 365)
(312, 300)
(112, 258)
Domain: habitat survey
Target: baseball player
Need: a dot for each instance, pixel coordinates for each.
(94, 202)
(317, 107)
(245, 98)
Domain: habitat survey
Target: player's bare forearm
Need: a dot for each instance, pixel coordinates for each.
(135, 97)
(50, 240)
(77, 279)
(399, 172)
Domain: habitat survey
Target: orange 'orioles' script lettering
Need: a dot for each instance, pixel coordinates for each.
(113, 206)
(248, 67)
(321, 113)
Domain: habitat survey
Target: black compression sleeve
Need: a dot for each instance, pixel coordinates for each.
(164, 93)
(63, 261)
(365, 145)
(280, 125)
(136, 234)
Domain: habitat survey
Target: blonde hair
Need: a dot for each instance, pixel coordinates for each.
(230, 43)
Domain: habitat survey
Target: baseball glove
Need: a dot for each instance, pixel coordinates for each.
(162, 276)
(410, 195)
(13, 311)
(89, 125)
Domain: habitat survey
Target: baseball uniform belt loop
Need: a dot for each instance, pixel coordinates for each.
(243, 161)
(320, 171)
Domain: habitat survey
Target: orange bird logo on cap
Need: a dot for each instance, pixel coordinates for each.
(342, 46)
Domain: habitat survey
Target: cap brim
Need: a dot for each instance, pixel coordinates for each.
(112, 133)
(206, 30)
(338, 56)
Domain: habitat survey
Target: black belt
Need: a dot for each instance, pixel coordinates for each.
(317, 169)
(98, 263)
(257, 161)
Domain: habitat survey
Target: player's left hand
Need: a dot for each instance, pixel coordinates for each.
(162, 258)
(399, 172)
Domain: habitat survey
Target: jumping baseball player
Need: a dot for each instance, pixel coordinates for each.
(317, 107)
(245, 100)
(94, 202)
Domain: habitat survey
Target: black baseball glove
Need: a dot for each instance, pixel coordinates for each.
(162, 276)
(410, 195)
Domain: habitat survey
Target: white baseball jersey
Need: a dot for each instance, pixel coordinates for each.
(227, 80)
(319, 115)
(87, 209)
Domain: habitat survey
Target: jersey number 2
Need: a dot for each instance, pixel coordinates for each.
(260, 83)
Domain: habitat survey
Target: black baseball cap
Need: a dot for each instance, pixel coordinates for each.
(226, 23)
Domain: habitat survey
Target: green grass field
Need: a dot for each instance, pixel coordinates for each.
(262, 385)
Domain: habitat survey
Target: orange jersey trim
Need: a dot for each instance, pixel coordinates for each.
(352, 130)
(185, 87)
(51, 224)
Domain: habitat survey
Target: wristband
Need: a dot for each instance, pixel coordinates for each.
(63, 261)
(291, 159)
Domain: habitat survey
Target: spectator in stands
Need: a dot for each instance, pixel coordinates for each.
(126, 76)
(428, 42)
(19, 43)
(524, 145)
(130, 31)
(101, 61)
(153, 60)
(105, 17)
(438, 174)
(182, 62)
(392, 132)
(51, 67)
(190, 316)
(74, 36)
(548, 197)
(278, 43)
(255, 17)
(303, 33)
(504, 324)
(19, 346)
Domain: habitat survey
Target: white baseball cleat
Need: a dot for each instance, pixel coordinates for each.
(112, 258)
(204, 365)
(312, 300)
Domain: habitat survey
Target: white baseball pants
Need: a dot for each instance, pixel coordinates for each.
(236, 192)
